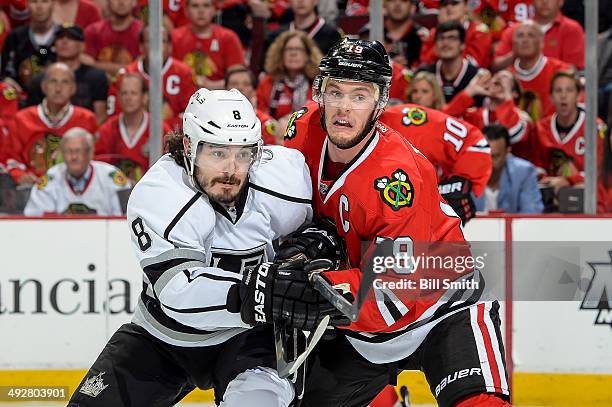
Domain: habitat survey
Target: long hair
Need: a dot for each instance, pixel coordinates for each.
(439, 100)
(174, 146)
(274, 57)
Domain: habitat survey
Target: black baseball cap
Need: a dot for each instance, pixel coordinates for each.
(73, 31)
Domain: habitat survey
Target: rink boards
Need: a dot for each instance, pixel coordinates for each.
(67, 284)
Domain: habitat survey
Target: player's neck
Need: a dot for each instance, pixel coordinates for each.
(202, 31)
(303, 22)
(120, 23)
(567, 120)
(339, 155)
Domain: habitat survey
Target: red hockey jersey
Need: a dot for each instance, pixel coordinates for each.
(387, 193)
(177, 88)
(564, 156)
(209, 57)
(275, 97)
(269, 127)
(453, 146)
(536, 85)
(130, 155)
(35, 141)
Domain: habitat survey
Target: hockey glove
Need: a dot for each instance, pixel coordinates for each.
(457, 192)
(309, 243)
(273, 291)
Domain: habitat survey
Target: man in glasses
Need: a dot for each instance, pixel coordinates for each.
(202, 221)
(381, 194)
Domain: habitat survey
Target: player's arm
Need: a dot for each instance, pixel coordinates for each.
(42, 199)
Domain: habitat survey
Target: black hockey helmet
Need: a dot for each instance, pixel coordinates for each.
(358, 60)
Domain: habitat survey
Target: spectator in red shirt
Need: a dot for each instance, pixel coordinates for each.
(604, 191)
(533, 70)
(292, 63)
(207, 48)
(240, 77)
(563, 37)
(123, 139)
(39, 128)
(76, 12)
(425, 90)
(478, 39)
(174, 13)
(112, 43)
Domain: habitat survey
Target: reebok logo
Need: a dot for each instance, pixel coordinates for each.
(460, 374)
(260, 297)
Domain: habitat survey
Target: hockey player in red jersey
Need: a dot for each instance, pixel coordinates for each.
(381, 192)
(457, 149)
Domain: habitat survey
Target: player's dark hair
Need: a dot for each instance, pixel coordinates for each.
(451, 26)
(174, 146)
(496, 132)
(240, 69)
(566, 74)
(144, 86)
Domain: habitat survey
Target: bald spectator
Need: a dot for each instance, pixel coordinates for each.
(123, 138)
(563, 37)
(76, 12)
(40, 128)
(478, 39)
(207, 48)
(29, 48)
(79, 185)
(92, 84)
(112, 43)
(533, 69)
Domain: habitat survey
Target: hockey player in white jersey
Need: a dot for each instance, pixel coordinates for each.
(203, 222)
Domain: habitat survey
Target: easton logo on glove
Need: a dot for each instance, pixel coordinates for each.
(260, 296)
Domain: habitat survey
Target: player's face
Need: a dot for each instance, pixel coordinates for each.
(348, 108)
(121, 8)
(58, 86)
(131, 97)
(303, 7)
(242, 82)
(40, 10)
(222, 170)
(294, 55)
(399, 10)
(448, 45)
(67, 48)
(499, 151)
(200, 12)
(526, 41)
(564, 96)
(422, 94)
(77, 154)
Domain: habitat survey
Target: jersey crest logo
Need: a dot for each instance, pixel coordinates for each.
(44, 181)
(9, 93)
(118, 178)
(414, 116)
(291, 130)
(396, 191)
(94, 385)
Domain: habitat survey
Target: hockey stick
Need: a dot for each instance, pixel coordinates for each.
(283, 366)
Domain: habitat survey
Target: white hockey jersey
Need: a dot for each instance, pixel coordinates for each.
(193, 253)
(54, 194)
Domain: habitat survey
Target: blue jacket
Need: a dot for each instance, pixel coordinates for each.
(518, 188)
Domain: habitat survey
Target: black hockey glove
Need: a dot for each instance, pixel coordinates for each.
(310, 242)
(273, 291)
(457, 191)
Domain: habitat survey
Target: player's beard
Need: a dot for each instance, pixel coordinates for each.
(222, 196)
(345, 144)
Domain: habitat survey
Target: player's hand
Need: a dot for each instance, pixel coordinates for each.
(457, 192)
(272, 292)
(309, 243)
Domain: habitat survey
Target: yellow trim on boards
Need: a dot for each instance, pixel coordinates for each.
(530, 389)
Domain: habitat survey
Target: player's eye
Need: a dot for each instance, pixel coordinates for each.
(218, 154)
(244, 156)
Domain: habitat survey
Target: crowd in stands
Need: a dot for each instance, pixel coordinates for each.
(74, 86)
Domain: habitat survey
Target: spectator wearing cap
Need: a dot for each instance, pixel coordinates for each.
(91, 83)
(513, 184)
(563, 37)
(452, 69)
(478, 39)
(77, 12)
(112, 43)
(29, 48)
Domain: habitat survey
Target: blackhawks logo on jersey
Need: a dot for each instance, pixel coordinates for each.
(396, 191)
(43, 182)
(291, 130)
(414, 116)
(118, 178)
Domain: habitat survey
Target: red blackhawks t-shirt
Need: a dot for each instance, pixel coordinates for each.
(209, 57)
(106, 45)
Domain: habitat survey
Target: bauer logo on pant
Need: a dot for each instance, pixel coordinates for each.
(94, 385)
(397, 191)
